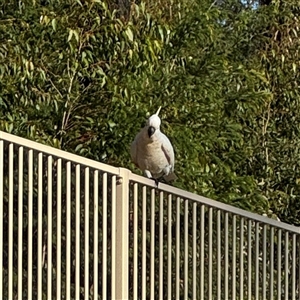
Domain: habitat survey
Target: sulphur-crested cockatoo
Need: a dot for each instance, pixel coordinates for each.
(152, 151)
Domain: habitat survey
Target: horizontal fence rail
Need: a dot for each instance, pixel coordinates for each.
(190, 247)
(73, 228)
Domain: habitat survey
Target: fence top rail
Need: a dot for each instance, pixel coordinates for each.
(215, 204)
(58, 153)
(145, 181)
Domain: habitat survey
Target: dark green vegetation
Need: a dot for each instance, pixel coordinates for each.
(83, 75)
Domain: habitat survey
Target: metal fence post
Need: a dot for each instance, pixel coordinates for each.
(120, 271)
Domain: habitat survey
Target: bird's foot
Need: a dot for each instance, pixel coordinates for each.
(156, 181)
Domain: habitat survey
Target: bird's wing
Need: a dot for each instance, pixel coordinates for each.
(168, 150)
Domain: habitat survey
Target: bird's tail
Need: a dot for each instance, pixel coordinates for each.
(170, 177)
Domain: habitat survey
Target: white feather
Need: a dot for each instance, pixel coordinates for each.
(154, 154)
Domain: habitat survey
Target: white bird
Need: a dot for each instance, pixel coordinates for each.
(152, 152)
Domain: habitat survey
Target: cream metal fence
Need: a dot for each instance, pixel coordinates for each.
(73, 228)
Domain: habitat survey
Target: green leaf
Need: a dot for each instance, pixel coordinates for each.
(129, 34)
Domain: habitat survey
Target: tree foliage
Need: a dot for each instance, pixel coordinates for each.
(83, 76)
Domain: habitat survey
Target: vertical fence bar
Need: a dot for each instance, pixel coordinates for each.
(135, 241)
(144, 241)
(1, 216)
(202, 211)
(40, 225)
(58, 232)
(272, 263)
(226, 256)
(104, 236)
(177, 248)
(194, 250)
(96, 228)
(121, 235)
(30, 217)
(279, 265)
(219, 286)
(294, 267)
(77, 229)
(152, 241)
(264, 270)
(49, 229)
(234, 257)
(20, 224)
(186, 249)
(298, 248)
(169, 246)
(113, 240)
(286, 272)
(86, 231)
(242, 258)
(68, 230)
(10, 221)
(256, 260)
(249, 259)
(210, 252)
(161, 244)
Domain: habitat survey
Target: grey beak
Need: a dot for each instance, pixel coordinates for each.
(151, 130)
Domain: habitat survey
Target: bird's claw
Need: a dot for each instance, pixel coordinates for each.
(156, 181)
